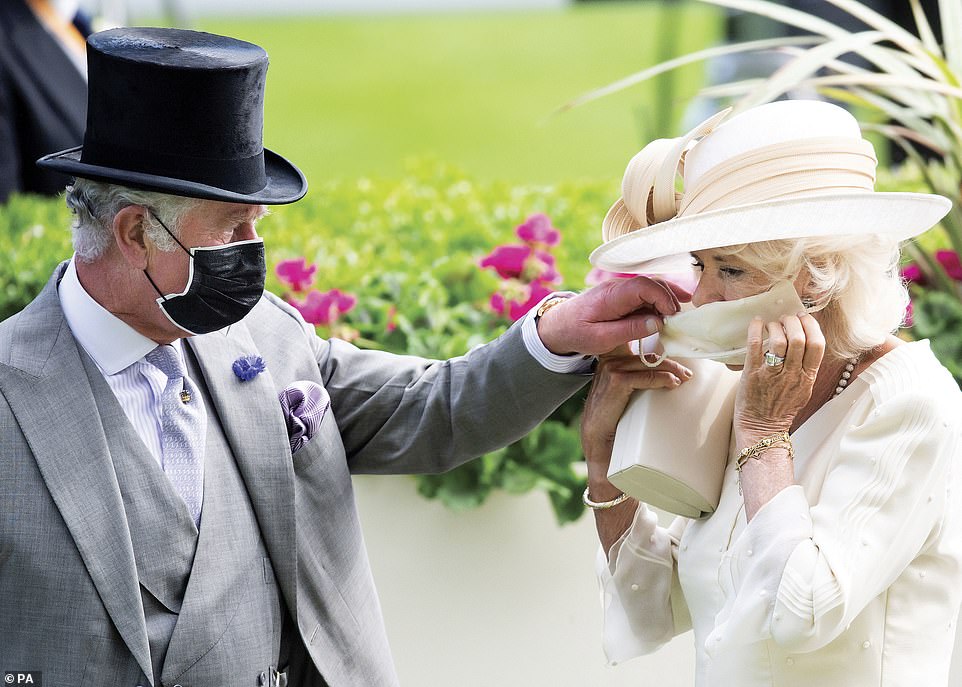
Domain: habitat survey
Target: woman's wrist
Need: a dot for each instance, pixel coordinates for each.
(603, 491)
(750, 434)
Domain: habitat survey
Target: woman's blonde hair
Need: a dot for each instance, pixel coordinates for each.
(854, 280)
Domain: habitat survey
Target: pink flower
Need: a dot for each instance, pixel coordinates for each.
(913, 274)
(515, 303)
(537, 229)
(542, 268)
(908, 320)
(296, 273)
(391, 319)
(598, 275)
(949, 260)
(507, 261)
(324, 308)
(521, 262)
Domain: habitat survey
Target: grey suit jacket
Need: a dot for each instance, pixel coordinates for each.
(69, 595)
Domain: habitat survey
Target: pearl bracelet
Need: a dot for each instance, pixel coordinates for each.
(602, 505)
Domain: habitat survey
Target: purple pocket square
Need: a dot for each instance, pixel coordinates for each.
(304, 405)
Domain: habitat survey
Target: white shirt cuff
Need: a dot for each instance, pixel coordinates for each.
(565, 364)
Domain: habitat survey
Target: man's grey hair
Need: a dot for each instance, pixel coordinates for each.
(96, 203)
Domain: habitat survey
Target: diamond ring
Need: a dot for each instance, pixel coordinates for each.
(773, 360)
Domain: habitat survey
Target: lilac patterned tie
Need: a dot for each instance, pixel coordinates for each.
(183, 429)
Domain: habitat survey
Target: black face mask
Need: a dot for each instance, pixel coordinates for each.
(225, 284)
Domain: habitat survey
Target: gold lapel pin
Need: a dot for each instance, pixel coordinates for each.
(185, 396)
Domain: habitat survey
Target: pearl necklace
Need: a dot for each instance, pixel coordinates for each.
(846, 376)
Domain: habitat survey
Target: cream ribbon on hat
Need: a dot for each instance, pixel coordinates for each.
(790, 169)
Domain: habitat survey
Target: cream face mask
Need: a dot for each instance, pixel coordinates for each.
(717, 331)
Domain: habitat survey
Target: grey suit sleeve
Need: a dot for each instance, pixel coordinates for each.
(400, 414)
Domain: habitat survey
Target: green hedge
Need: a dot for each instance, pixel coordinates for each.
(408, 249)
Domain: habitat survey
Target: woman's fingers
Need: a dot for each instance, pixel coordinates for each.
(777, 340)
(799, 340)
(754, 343)
(794, 337)
(616, 379)
(814, 344)
(631, 374)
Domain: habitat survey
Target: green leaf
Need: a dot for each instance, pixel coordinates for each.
(924, 28)
(817, 25)
(698, 56)
(950, 15)
(938, 317)
(796, 71)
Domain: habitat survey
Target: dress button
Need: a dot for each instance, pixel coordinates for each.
(749, 552)
(790, 661)
(866, 644)
(634, 587)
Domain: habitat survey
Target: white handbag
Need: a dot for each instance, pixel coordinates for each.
(671, 445)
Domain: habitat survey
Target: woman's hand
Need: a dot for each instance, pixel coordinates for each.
(769, 398)
(618, 375)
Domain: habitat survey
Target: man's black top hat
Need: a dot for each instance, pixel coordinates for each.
(180, 112)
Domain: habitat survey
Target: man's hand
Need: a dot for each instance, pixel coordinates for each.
(609, 315)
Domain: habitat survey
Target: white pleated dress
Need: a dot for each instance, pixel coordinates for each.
(850, 577)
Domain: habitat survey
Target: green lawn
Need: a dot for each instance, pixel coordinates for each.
(357, 96)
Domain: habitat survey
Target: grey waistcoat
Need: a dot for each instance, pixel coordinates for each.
(213, 611)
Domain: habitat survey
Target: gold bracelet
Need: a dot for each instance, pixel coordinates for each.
(602, 505)
(777, 439)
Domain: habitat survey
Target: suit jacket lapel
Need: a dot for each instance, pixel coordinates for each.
(49, 393)
(251, 417)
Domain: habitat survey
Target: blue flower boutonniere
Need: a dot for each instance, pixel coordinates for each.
(248, 366)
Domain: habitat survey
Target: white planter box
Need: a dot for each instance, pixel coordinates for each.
(496, 596)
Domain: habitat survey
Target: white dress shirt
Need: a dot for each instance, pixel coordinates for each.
(119, 350)
(850, 578)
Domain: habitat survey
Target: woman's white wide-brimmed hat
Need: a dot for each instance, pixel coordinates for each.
(788, 169)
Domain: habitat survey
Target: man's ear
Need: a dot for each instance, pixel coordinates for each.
(129, 235)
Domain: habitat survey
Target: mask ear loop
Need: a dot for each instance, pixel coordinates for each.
(154, 285)
(161, 222)
(643, 357)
